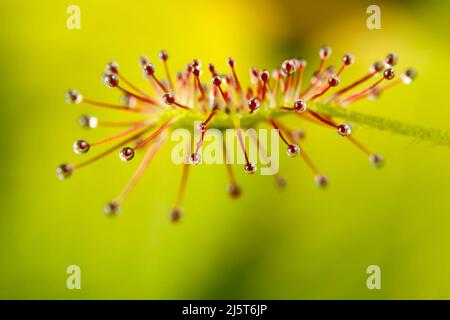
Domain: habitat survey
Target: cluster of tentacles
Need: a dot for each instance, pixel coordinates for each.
(218, 100)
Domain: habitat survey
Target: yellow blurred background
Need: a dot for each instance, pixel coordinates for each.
(297, 243)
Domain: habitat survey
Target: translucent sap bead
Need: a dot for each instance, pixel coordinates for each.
(348, 59)
(301, 63)
(293, 150)
(72, 96)
(143, 61)
(315, 79)
(212, 68)
(276, 74)
(163, 55)
(344, 129)
(250, 168)
(321, 181)
(376, 160)
(168, 99)
(298, 134)
(408, 76)
(253, 104)
(391, 59)
(196, 71)
(331, 70)
(234, 191)
(325, 52)
(264, 76)
(374, 94)
(195, 158)
(112, 67)
(126, 154)
(88, 122)
(175, 215)
(377, 66)
(300, 106)
(196, 63)
(111, 209)
(148, 69)
(333, 81)
(389, 73)
(231, 62)
(281, 182)
(128, 101)
(254, 73)
(110, 80)
(64, 171)
(288, 67)
(202, 127)
(217, 81)
(81, 146)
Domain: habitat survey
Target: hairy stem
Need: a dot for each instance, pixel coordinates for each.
(437, 136)
(222, 122)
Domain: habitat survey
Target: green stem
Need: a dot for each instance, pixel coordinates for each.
(437, 136)
(222, 122)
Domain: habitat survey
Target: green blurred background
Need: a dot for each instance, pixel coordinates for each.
(300, 243)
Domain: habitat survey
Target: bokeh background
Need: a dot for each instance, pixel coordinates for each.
(299, 243)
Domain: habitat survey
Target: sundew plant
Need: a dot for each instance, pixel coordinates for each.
(236, 150)
(217, 99)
